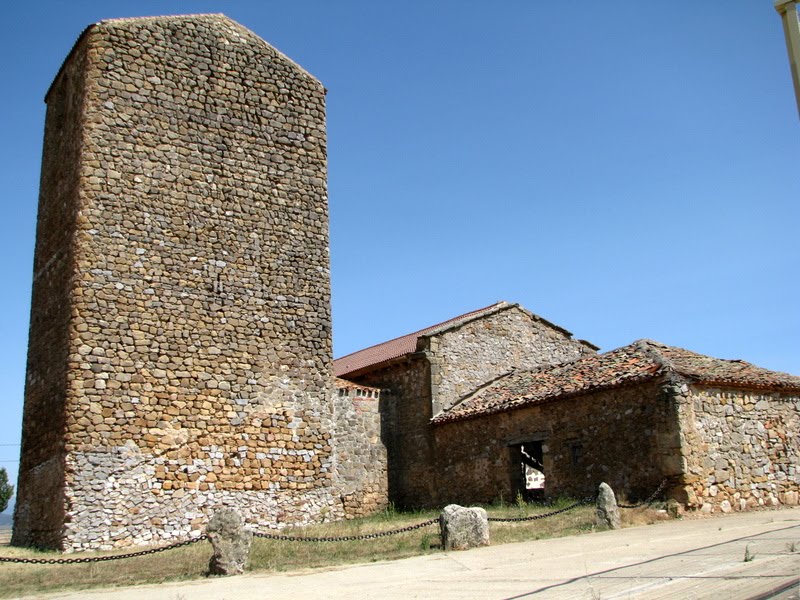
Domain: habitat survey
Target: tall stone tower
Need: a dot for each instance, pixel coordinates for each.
(180, 338)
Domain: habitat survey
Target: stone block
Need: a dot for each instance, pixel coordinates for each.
(231, 542)
(674, 508)
(463, 528)
(607, 510)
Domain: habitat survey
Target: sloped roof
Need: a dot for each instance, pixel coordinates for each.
(641, 361)
(405, 344)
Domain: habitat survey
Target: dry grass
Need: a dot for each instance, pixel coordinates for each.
(16, 580)
(267, 555)
(634, 517)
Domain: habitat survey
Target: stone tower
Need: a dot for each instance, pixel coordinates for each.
(180, 338)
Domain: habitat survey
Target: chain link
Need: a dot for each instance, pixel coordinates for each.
(289, 538)
(542, 516)
(95, 559)
(649, 499)
(345, 538)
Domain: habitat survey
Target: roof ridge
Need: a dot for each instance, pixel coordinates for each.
(466, 318)
(651, 348)
(161, 17)
(638, 362)
(422, 331)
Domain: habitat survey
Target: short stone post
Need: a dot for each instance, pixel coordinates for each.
(463, 528)
(231, 543)
(607, 510)
(673, 508)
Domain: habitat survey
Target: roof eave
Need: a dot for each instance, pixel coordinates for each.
(384, 364)
(744, 385)
(443, 419)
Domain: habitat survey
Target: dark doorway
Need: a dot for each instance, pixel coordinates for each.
(528, 478)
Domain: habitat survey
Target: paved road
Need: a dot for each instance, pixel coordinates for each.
(703, 558)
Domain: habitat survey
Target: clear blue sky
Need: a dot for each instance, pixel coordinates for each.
(624, 169)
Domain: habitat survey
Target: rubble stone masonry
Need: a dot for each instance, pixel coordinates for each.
(360, 451)
(741, 448)
(465, 357)
(627, 437)
(405, 412)
(449, 363)
(180, 354)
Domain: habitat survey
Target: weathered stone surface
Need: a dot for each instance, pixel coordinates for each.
(607, 510)
(452, 361)
(717, 450)
(405, 414)
(674, 508)
(626, 437)
(463, 528)
(180, 341)
(360, 453)
(465, 357)
(741, 448)
(231, 542)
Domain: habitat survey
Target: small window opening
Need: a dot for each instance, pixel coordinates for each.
(576, 452)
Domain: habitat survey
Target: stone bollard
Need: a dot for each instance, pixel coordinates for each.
(607, 511)
(673, 508)
(463, 528)
(231, 542)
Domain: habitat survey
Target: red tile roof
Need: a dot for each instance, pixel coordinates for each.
(643, 360)
(405, 344)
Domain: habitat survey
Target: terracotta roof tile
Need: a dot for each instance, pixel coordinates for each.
(637, 362)
(716, 371)
(402, 345)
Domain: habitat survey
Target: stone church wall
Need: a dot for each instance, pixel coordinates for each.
(405, 408)
(447, 365)
(627, 437)
(180, 352)
(360, 451)
(467, 356)
(741, 448)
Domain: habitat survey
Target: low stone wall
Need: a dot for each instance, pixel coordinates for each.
(741, 448)
(360, 452)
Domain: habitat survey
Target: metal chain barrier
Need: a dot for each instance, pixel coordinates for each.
(96, 559)
(649, 499)
(345, 538)
(289, 538)
(543, 515)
